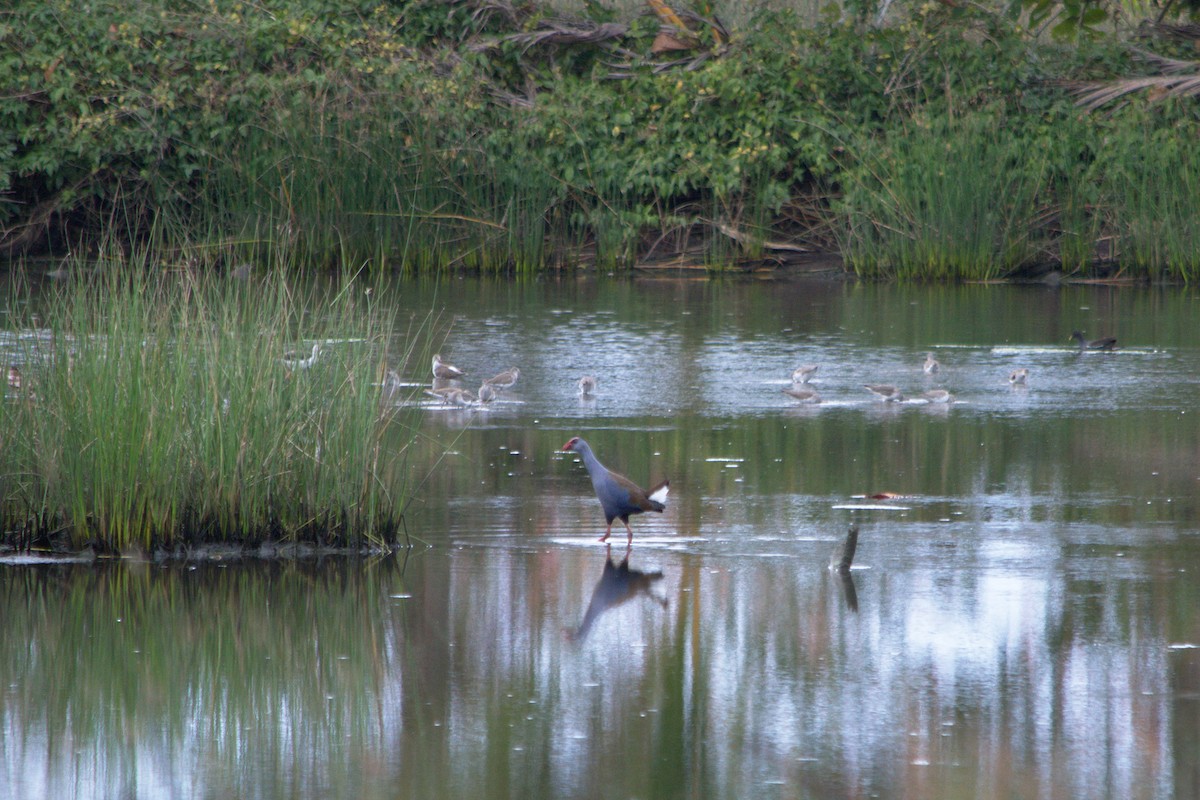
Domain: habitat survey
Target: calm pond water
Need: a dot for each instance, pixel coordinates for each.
(1023, 618)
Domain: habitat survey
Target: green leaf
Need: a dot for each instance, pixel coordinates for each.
(1066, 30)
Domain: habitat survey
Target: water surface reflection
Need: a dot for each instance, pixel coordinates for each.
(1021, 620)
(618, 584)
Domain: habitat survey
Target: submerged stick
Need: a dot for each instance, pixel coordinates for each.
(844, 555)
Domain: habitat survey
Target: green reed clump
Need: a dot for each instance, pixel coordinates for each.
(1149, 182)
(381, 189)
(952, 200)
(156, 412)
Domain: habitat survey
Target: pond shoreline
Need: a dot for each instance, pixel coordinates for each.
(832, 266)
(213, 552)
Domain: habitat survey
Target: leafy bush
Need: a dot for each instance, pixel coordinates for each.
(433, 133)
(109, 102)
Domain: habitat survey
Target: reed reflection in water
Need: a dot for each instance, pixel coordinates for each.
(717, 675)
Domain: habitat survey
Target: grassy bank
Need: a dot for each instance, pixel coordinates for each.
(154, 412)
(942, 144)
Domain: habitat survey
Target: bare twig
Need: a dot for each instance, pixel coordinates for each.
(559, 32)
(1093, 95)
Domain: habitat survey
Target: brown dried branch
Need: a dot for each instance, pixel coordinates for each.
(1092, 95)
(1179, 78)
(560, 32)
(1167, 66)
(1188, 32)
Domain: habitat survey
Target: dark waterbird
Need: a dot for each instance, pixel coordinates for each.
(620, 497)
(1107, 343)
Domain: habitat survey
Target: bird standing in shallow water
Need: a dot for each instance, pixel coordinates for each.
(931, 365)
(486, 393)
(455, 397)
(296, 360)
(587, 386)
(619, 496)
(1107, 343)
(506, 379)
(804, 373)
(1017, 376)
(889, 393)
(445, 371)
(938, 396)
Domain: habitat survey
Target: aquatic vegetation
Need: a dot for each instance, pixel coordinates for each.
(1148, 184)
(156, 412)
(371, 190)
(958, 202)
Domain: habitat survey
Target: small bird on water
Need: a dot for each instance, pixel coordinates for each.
(455, 397)
(1018, 376)
(587, 386)
(1107, 343)
(931, 365)
(803, 395)
(506, 379)
(445, 371)
(804, 373)
(938, 396)
(889, 393)
(297, 359)
(619, 496)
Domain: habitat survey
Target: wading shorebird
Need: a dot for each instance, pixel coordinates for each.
(619, 496)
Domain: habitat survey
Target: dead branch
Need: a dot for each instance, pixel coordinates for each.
(1178, 78)
(559, 32)
(1093, 94)
(747, 239)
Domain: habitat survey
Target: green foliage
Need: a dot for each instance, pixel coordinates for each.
(1072, 18)
(945, 201)
(106, 101)
(1147, 182)
(430, 134)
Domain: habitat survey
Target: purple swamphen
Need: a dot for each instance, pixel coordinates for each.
(620, 497)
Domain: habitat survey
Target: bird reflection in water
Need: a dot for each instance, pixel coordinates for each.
(617, 585)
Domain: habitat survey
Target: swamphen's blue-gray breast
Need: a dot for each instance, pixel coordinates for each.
(620, 497)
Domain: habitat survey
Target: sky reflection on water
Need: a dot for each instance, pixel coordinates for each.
(1022, 622)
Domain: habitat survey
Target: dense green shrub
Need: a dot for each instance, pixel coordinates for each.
(424, 134)
(106, 102)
